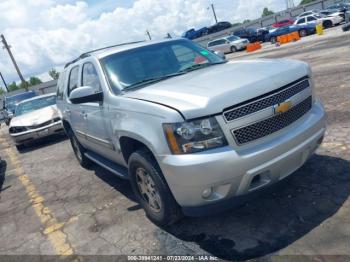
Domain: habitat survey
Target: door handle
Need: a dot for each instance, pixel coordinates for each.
(67, 112)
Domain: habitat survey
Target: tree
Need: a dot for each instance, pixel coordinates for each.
(24, 85)
(54, 74)
(304, 2)
(34, 81)
(13, 86)
(267, 12)
(2, 91)
(246, 21)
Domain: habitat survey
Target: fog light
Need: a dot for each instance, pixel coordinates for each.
(207, 192)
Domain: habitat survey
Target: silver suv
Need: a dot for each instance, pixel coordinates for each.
(192, 132)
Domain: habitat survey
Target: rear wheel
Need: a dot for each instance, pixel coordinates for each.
(79, 151)
(303, 33)
(151, 190)
(233, 49)
(273, 40)
(327, 24)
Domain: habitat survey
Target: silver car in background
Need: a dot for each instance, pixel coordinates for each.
(229, 44)
(35, 118)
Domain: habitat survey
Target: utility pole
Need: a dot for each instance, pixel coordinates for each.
(7, 47)
(3, 80)
(149, 35)
(212, 8)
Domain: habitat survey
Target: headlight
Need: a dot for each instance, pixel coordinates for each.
(17, 129)
(194, 136)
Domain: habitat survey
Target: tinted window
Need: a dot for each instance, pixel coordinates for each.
(301, 21)
(232, 38)
(138, 66)
(311, 18)
(90, 77)
(73, 79)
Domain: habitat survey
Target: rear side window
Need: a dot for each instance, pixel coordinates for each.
(90, 77)
(301, 21)
(311, 18)
(73, 79)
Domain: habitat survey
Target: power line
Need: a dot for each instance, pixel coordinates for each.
(7, 47)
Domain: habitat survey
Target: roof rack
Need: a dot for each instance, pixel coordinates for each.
(86, 54)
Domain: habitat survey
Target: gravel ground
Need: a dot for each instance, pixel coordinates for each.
(49, 205)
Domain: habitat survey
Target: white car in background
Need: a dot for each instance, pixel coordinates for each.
(35, 118)
(229, 44)
(307, 13)
(333, 13)
(326, 21)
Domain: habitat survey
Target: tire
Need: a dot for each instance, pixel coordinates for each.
(327, 24)
(79, 151)
(233, 49)
(346, 27)
(273, 40)
(303, 33)
(151, 189)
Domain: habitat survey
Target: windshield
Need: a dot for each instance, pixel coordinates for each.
(32, 105)
(13, 100)
(232, 38)
(140, 66)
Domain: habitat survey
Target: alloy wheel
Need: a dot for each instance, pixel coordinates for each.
(148, 190)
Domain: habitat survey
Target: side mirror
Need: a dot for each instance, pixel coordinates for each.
(221, 54)
(85, 94)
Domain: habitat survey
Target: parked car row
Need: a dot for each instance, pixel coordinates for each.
(193, 34)
(10, 103)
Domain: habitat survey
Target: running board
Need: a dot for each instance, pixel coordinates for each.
(116, 169)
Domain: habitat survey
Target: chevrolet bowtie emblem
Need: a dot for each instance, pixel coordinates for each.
(283, 107)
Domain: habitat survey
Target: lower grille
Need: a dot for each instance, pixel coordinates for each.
(266, 127)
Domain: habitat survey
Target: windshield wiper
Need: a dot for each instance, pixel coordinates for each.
(199, 66)
(152, 80)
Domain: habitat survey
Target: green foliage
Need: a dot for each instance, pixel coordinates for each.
(304, 2)
(13, 86)
(34, 81)
(246, 21)
(2, 91)
(267, 12)
(54, 74)
(24, 85)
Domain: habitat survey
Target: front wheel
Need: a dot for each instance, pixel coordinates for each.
(151, 190)
(303, 33)
(233, 49)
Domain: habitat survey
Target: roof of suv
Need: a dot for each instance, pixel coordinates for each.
(102, 52)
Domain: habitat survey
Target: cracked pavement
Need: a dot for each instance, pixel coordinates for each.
(306, 214)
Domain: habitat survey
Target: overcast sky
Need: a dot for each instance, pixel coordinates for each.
(47, 33)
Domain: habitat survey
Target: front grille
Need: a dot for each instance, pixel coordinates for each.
(266, 102)
(40, 125)
(268, 126)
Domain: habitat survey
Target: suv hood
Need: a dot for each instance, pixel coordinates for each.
(210, 90)
(36, 117)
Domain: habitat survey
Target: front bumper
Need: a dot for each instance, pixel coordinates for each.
(33, 134)
(229, 173)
